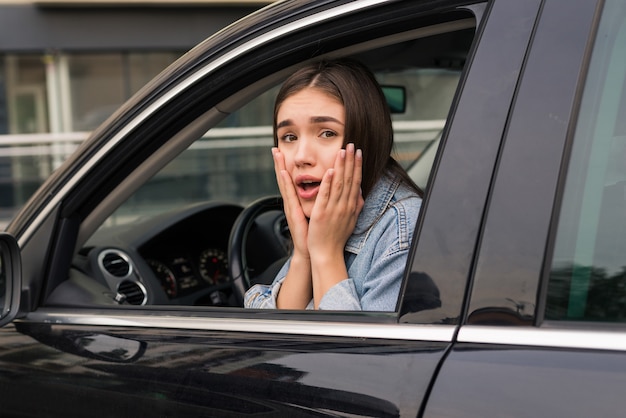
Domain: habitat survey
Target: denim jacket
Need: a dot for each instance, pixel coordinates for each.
(375, 254)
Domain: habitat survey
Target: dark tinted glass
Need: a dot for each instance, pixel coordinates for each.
(588, 275)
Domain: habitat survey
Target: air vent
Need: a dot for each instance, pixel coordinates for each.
(115, 264)
(134, 292)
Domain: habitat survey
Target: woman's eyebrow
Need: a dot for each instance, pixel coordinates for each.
(313, 119)
(322, 119)
(282, 124)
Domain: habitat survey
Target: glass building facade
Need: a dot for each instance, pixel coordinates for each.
(74, 66)
(66, 66)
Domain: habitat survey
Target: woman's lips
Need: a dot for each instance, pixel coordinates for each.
(307, 187)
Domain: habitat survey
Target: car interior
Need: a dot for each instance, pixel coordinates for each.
(200, 219)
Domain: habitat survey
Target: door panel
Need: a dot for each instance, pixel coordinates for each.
(453, 209)
(513, 245)
(158, 372)
(479, 381)
(521, 366)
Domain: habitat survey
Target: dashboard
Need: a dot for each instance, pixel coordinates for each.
(185, 272)
(182, 273)
(175, 258)
(190, 256)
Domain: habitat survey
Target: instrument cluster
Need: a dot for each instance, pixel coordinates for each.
(182, 274)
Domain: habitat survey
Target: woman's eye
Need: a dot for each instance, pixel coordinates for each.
(328, 134)
(288, 138)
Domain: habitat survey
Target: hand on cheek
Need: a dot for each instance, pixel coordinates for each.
(297, 221)
(318, 262)
(338, 205)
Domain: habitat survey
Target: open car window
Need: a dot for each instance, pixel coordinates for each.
(168, 242)
(232, 162)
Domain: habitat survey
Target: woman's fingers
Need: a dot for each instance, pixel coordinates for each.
(324, 192)
(349, 175)
(285, 185)
(337, 186)
(346, 179)
(279, 165)
(357, 177)
(298, 225)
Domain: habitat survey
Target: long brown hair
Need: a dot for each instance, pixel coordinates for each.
(368, 120)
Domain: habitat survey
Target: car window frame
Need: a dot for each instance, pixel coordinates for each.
(458, 185)
(378, 317)
(546, 177)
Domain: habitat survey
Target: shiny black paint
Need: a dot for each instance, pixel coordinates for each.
(455, 203)
(480, 381)
(10, 266)
(353, 376)
(513, 244)
(56, 370)
(205, 373)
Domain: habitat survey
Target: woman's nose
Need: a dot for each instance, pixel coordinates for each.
(305, 154)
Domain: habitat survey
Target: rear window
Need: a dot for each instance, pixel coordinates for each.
(588, 273)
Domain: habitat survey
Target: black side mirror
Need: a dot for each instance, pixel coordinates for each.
(10, 278)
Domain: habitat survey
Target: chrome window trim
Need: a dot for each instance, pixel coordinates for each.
(202, 72)
(614, 340)
(164, 320)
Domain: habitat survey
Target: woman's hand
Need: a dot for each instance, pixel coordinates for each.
(337, 207)
(297, 221)
(318, 260)
(296, 290)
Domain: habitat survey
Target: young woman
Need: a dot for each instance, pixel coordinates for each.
(350, 207)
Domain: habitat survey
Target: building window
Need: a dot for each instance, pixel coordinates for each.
(26, 94)
(100, 83)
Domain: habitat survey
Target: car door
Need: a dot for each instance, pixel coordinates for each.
(76, 351)
(543, 334)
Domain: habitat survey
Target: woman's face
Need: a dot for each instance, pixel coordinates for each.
(310, 130)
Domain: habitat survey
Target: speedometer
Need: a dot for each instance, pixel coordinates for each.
(214, 266)
(166, 277)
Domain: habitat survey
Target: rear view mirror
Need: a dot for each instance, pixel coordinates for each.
(10, 278)
(396, 98)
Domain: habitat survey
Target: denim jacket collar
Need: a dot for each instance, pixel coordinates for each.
(375, 205)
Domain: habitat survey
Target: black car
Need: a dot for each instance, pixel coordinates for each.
(510, 114)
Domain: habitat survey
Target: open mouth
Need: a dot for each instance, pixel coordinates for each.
(309, 185)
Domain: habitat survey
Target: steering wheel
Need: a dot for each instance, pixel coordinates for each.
(238, 268)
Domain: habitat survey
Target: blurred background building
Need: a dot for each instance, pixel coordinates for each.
(66, 65)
